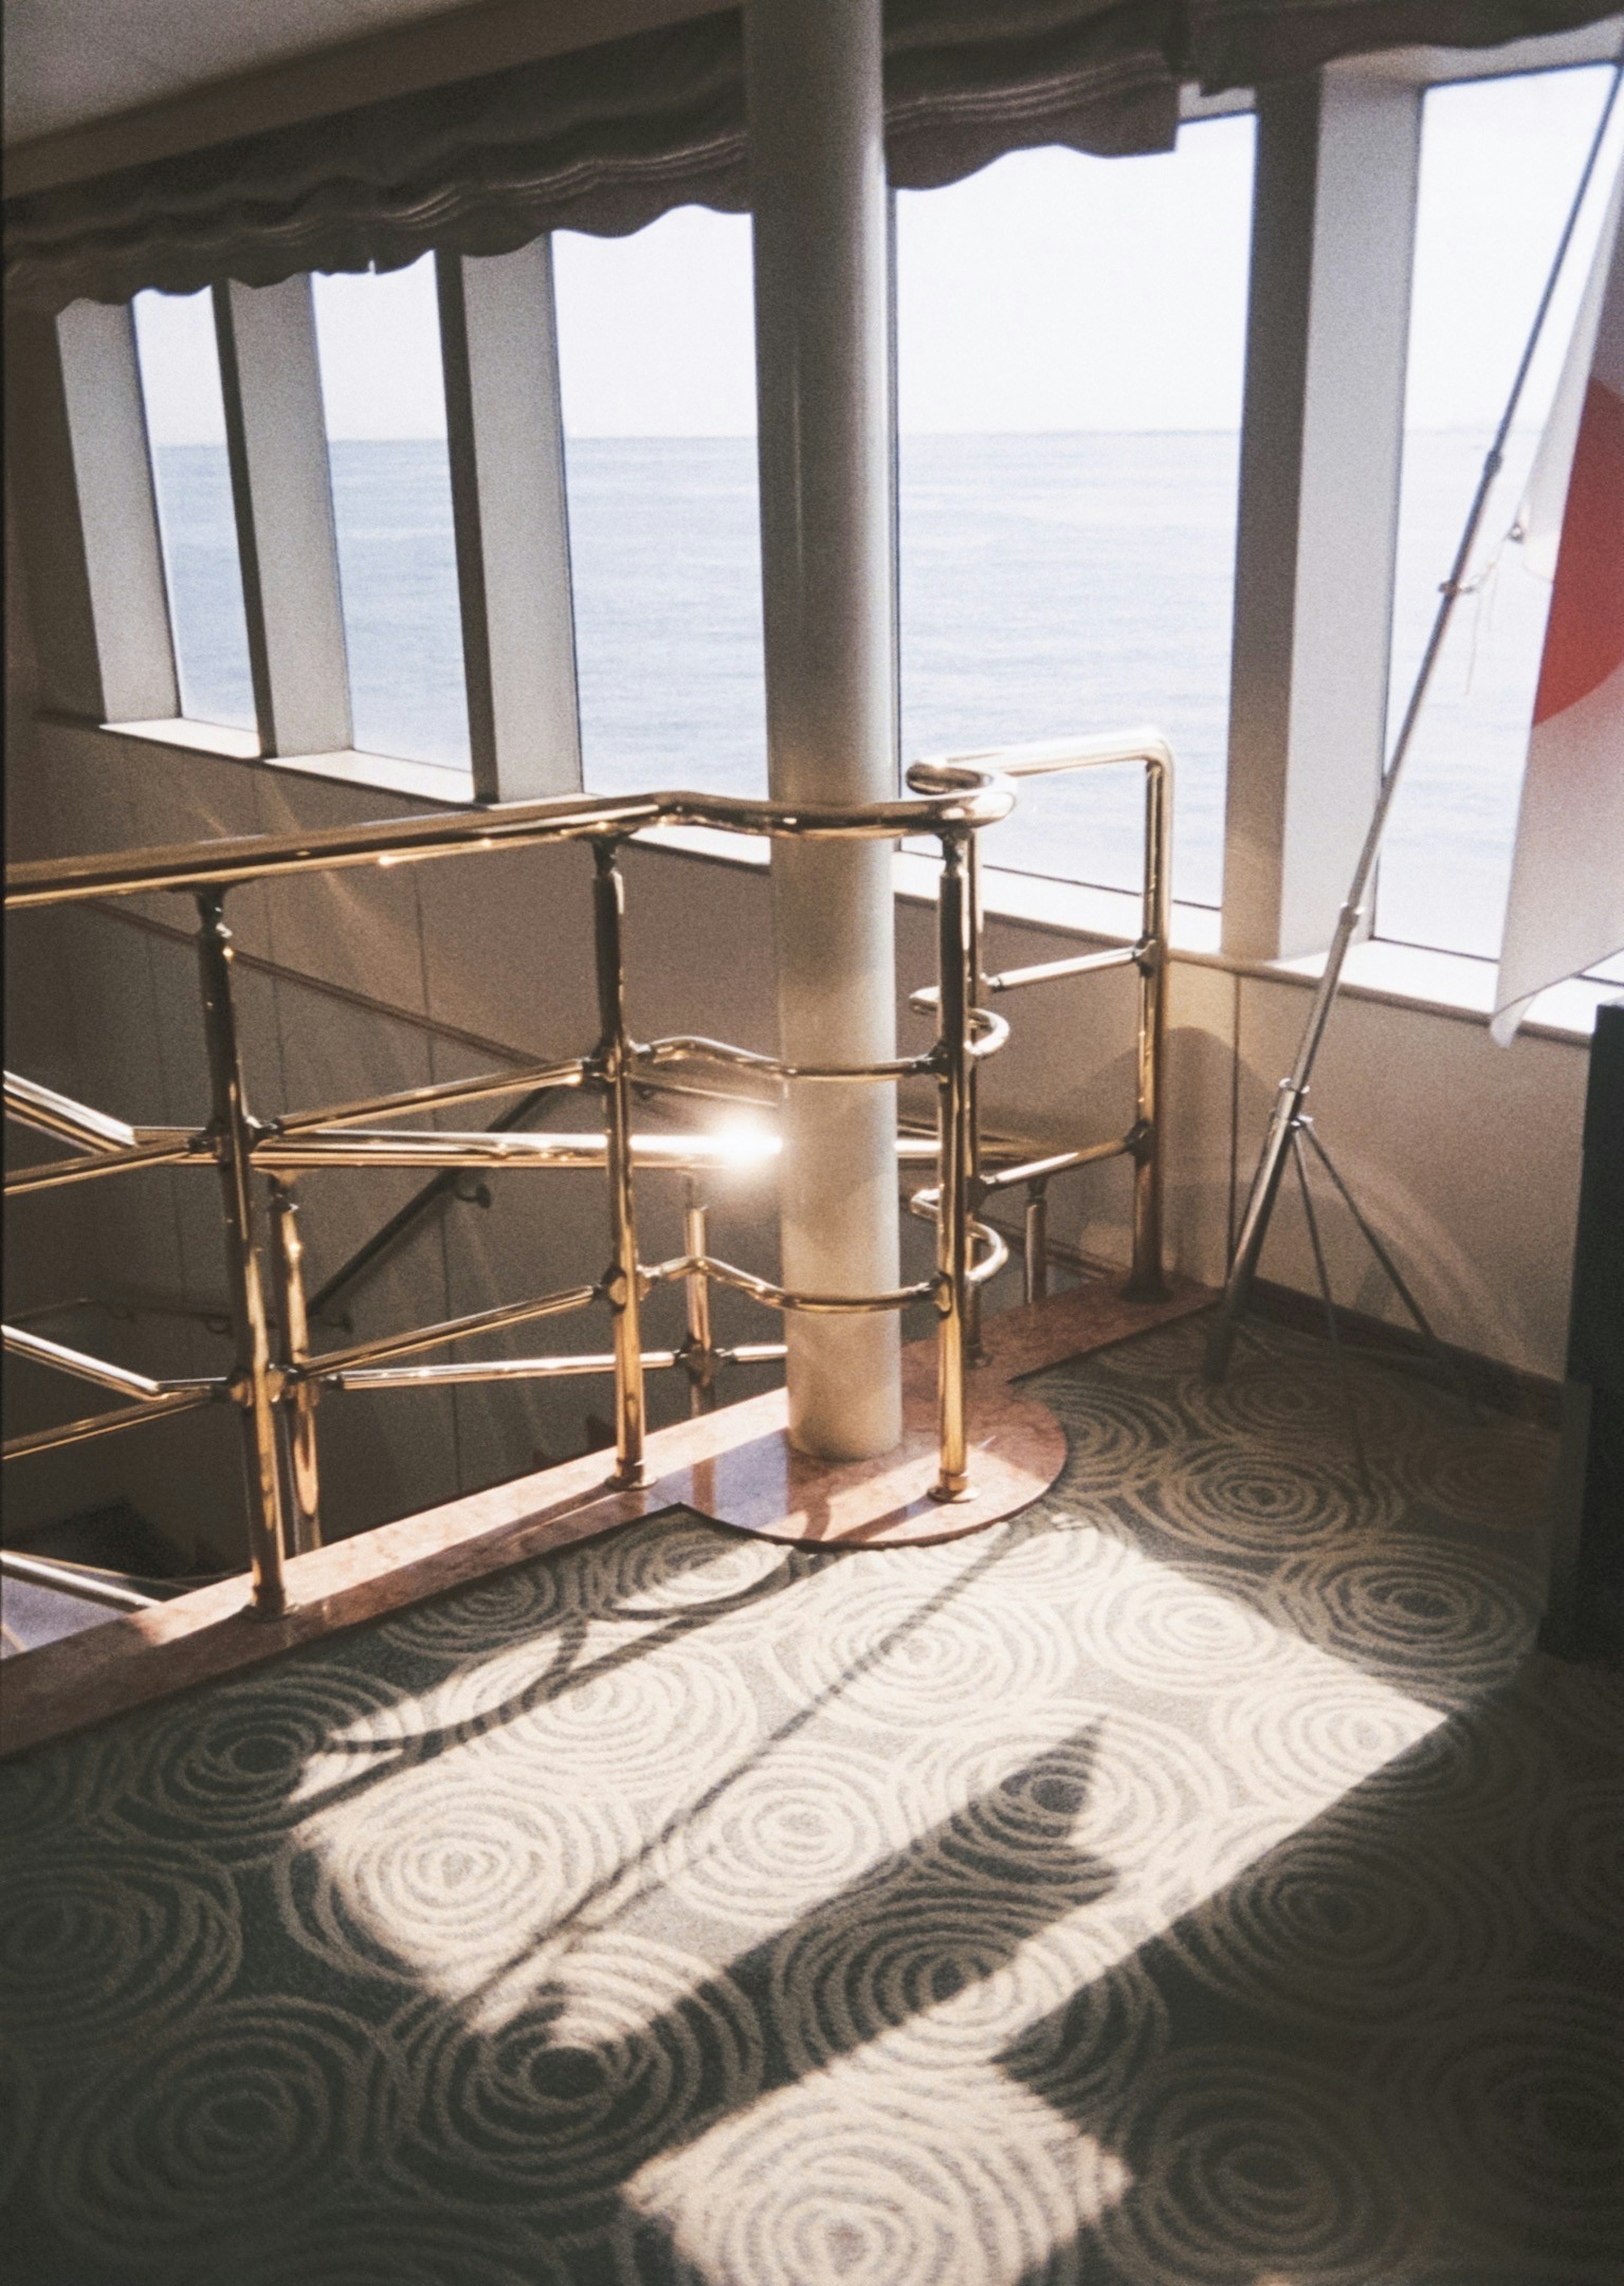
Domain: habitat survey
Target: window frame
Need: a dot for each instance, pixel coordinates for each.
(133, 669)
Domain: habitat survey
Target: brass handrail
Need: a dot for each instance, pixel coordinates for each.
(955, 795)
(74, 1579)
(275, 1392)
(83, 1367)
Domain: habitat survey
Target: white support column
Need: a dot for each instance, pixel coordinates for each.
(498, 337)
(276, 441)
(42, 490)
(818, 193)
(1333, 234)
(118, 512)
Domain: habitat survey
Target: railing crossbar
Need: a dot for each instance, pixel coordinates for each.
(314, 1148)
(176, 1147)
(480, 1369)
(74, 1579)
(687, 1050)
(61, 1359)
(1056, 972)
(324, 1365)
(1060, 1163)
(539, 1368)
(50, 1113)
(106, 1424)
(570, 1073)
(783, 1297)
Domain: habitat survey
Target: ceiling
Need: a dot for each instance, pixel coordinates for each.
(96, 84)
(71, 61)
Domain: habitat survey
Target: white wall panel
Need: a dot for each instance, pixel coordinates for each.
(1465, 1156)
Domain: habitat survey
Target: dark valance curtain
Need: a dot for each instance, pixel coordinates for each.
(607, 139)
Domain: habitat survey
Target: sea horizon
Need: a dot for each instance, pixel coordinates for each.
(1052, 581)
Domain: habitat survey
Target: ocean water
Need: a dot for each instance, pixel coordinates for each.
(1048, 585)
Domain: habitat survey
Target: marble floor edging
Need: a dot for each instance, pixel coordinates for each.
(734, 1466)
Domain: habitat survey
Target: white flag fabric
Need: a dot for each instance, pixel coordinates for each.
(1539, 517)
(1567, 909)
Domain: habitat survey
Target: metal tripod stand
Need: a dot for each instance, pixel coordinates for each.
(1289, 1123)
(1303, 1131)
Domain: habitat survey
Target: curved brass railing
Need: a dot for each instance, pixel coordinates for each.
(276, 1393)
(1146, 749)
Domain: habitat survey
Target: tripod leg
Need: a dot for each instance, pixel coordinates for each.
(1254, 1229)
(1355, 1435)
(1435, 1348)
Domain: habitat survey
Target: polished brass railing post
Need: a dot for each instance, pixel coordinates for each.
(1147, 1280)
(699, 1352)
(299, 1394)
(975, 1348)
(1036, 1242)
(253, 1384)
(614, 1060)
(955, 1145)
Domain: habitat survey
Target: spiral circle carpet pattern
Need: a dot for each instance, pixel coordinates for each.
(1197, 1882)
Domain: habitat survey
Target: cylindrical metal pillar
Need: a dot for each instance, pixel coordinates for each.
(822, 362)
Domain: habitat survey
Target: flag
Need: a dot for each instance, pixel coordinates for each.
(1539, 519)
(1565, 912)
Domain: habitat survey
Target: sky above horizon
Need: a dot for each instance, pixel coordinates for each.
(1049, 292)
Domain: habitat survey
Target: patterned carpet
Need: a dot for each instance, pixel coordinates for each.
(1198, 1879)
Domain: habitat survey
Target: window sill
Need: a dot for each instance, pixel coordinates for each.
(198, 738)
(1450, 984)
(1454, 984)
(1075, 906)
(431, 782)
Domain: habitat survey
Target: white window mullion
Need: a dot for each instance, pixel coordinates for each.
(1328, 341)
(504, 423)
(276, 438)
(118, 513)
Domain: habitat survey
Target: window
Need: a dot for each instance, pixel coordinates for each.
(384, 398)
(656, 355)
(185, 421)
(1500, 162)
(1071, 344)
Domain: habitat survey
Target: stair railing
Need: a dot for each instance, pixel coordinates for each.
(278, 1377)
(274, 1382)
(1143, 1142)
